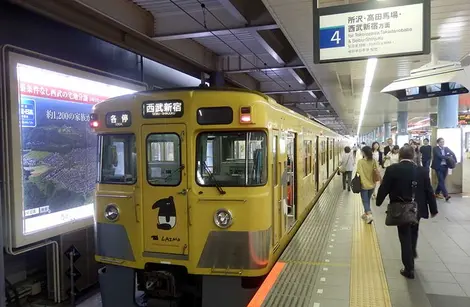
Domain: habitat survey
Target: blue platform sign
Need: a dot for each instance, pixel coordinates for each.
(332, 37)
(371, 29)
(28, 113)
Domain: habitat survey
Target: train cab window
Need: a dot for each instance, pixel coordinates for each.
(231, 159)
(117, 162)
(164, 159)
(215, 116)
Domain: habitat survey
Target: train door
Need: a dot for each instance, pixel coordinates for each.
(327, 158)
(291, 145)
(164, 190)
(316, 154)
(277, 198)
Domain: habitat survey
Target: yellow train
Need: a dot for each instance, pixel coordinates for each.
(200, 190)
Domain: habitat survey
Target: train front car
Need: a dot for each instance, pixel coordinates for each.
(184, 205)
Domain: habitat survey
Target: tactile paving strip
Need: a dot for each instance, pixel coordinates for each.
(368, 285)
(302, 256)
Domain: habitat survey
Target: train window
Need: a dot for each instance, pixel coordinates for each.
(231, 159)
(117, 163)
(307, 157)
(215, 116)
(164, 159)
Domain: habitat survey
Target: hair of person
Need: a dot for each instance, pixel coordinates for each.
(389, 139)
(396, 147)
(367, 152)
(406, 152)
(374, 144)
(347, 149)
(426, 139)
(439, 140)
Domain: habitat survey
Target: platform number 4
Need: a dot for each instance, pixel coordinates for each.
(336, 37)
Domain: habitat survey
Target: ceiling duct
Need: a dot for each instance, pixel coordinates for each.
(435, 79)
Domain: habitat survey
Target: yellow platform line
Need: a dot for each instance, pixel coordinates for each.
(332, 264)
(368, 284)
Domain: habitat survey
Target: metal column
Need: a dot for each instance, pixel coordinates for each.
(448, 111)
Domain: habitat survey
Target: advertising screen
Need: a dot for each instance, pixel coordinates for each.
(57, 147)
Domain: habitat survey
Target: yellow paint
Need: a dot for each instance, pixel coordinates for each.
(368, 285)
(253, 208)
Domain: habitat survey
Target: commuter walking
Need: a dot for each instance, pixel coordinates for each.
(348, 160)
(442, 158)
(392, 157)
(417, 156)
(406, 182)
(354, 150)
(377, 156)
(389, 146)
(426, 151)
(368, 171)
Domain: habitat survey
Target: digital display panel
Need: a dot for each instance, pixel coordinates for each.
(412, 91)
(118, 119)
(162, 109)
(58, 148)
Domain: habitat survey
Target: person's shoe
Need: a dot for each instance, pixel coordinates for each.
(369, 219)
(407, 274)
(364, 216)
(438, 196)
(447, 198)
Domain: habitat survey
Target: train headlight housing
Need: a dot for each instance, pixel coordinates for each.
(111, 212)
(223, 218)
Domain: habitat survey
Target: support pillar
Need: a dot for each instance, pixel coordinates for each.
(402, 123)
(448, 111)
(387, 131)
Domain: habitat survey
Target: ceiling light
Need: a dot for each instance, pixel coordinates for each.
(370, 71)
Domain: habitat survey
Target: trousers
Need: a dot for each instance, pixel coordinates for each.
(408, 235)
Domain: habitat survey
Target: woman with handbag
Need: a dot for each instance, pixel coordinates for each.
(411, 199)
(368, 172)
(346, 167)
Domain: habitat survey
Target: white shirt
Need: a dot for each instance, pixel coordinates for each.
(393, 158)
(348, 161)
(375, 155)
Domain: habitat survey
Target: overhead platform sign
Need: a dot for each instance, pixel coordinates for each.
(371, 29)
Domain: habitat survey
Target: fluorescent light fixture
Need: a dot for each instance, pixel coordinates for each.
(370, 71)
(418, 127)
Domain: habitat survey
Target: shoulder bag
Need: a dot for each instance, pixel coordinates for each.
(406, 212)
(356, 185)
(450, 161)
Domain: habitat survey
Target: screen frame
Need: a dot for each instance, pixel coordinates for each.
(12, 167)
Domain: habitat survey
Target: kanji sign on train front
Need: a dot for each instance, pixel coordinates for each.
(371, 29)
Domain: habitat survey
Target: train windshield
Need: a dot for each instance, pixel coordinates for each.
(231, 159)
(118, 163)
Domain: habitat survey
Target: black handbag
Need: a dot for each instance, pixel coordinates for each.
(406, 212)
(450, 161)
(356, 186)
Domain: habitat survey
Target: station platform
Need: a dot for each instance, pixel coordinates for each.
(336, 260)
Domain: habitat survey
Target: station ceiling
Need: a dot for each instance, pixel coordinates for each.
(266, 45)
(342, 83)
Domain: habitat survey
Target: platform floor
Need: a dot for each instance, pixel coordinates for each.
(336, 260)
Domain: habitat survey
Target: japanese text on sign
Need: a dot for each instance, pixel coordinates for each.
(118, 119)
(57, 93)
(153, 109)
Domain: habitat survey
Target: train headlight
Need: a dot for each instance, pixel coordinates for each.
(111, 213)
(223, 218)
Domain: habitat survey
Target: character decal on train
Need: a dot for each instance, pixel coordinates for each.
(166, 218)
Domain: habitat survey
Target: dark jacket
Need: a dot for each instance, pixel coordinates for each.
(381, 158)
(396, 184)
(437, 156)
(387, 149)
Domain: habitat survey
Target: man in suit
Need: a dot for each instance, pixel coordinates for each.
(397, 184)
(440, 155)
(389, 146)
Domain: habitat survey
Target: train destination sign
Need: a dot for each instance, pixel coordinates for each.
(372, 29)
(118, 119)
(163, 109)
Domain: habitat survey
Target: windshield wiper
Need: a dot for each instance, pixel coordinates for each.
(211, 176)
